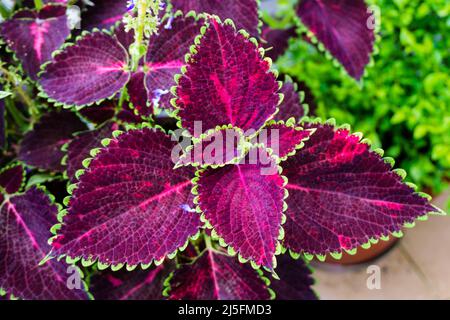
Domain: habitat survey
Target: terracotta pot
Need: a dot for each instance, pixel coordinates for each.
(365, 255)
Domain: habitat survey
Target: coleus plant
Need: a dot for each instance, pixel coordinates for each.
(156, 213)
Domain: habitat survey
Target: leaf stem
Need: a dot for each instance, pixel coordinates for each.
(123, 94)
(208, 243)
(16, 115)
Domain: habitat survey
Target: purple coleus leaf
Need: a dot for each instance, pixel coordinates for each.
(129, 115)
(12, 178)
(131, 285)
(166, 56)
(104, 14)
(125, 38)
(80, 147)
(277, 40)
(244, 204)
(33, 36)
(216, 276)
(226, 82)
(130, 206)
(295, 280)
(25, 222)
(100, 114)
(41, 147)
(292, 105)
(283, 138)
(92, 69)
(343, 26)
(244, 13)
(342, 194)
(138, 95)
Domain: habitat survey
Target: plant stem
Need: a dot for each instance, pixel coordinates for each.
(20, 92)
(38, 4)
(139, 33)
(123, 94)
(17, 116)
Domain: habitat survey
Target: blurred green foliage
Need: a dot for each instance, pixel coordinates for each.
(403, 103)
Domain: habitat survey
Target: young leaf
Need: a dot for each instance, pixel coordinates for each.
(41, 147)
(226, 82)
(343, 28)
(342, 194)
(12, 178)
(165, 56)
(134, 285)
(130, 206)
(25, 221)
(295, 280)
(80, 147)
(283, 139)
(216, 276)
(244, 13)
(244, 204)
(92, 69)
(103, 14)
(277, 40)
(292, 105)
(219, 147)
(33, 36)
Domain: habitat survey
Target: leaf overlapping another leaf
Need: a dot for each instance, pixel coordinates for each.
(130, 206)
(244, 204)
(131, 285)
(166, 56)
(295, 280)
(215, 276)
(81, 145)
(41, 146)
(12, 178)
(293, 104)
(227, 76)
(342, 194)
(25, 221)
(276, 41)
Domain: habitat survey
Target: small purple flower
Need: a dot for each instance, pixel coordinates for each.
(131, 6)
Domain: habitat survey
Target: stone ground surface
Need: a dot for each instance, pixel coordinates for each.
(418, 267)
